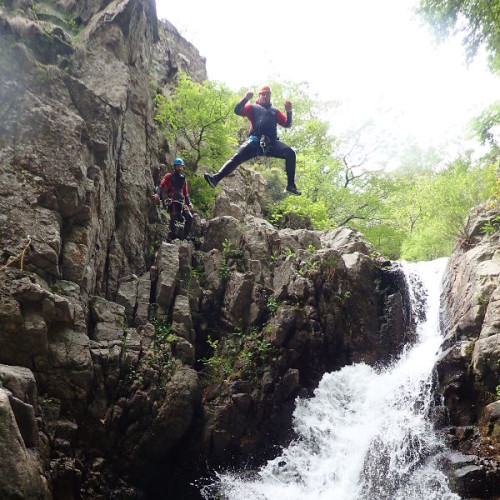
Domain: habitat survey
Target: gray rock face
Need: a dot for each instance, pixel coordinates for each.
(118, 355)
(77, 143)
(21, 474)
(290, 305)
(469, 371)
(173, 53)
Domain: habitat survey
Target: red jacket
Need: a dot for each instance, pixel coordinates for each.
(176, 186)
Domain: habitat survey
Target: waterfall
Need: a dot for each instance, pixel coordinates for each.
(366, 433)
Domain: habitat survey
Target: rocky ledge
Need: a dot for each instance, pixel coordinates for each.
(469, 370)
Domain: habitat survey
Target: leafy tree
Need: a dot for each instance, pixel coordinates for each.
(385, 224)
(196, 118)
(385, 238)
(487, 128)
(478, 21)
(426, 244)
(198, 121)
(415, 159)
(485, 125)
(458, 188)
(421, 213)
(434, 207)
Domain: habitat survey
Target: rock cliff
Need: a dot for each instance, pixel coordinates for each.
(125, 357)
(469, 370)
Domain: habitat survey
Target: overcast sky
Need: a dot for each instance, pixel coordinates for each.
(374, 56)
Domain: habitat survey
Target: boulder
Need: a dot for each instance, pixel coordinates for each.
(20, 469)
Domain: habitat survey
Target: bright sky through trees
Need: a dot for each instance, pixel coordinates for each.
(375, 57)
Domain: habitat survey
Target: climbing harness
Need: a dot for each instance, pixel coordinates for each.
(265, 144)
(175, 207)
(20, 256)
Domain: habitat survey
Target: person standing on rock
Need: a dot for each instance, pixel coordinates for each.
(177, 199)
(263, 137)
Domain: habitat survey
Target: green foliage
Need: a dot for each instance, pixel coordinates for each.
(276, 182)
(481, 299)
(317, 172)
(386, 238)
(197, 118)
(217, 364)
(241, 354)
(311, 249)
(55, 287)
(484, 124)
(162, 329)
(50, 12)
(201, 194)
(423, 211)
(316, 211)
(491, 226)
(337, 191)
(344, 297)
(199, 275)
(160, 358)
(272, 305)
(495, 192)
(135, 375)
(232, 256)
(225, 272)
(477, 21)
(230, 252)
(426, 244)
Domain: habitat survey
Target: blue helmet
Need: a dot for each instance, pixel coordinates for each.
(178, 161)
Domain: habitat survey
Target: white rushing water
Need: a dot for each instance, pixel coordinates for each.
(365, 435)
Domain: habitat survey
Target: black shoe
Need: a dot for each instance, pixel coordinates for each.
(210, 179)
(293, 189)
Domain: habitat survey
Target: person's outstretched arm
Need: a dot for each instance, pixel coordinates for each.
(240, 108)
(285, 121)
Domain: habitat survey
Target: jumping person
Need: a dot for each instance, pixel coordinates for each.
(262, 139)
(177, 200)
